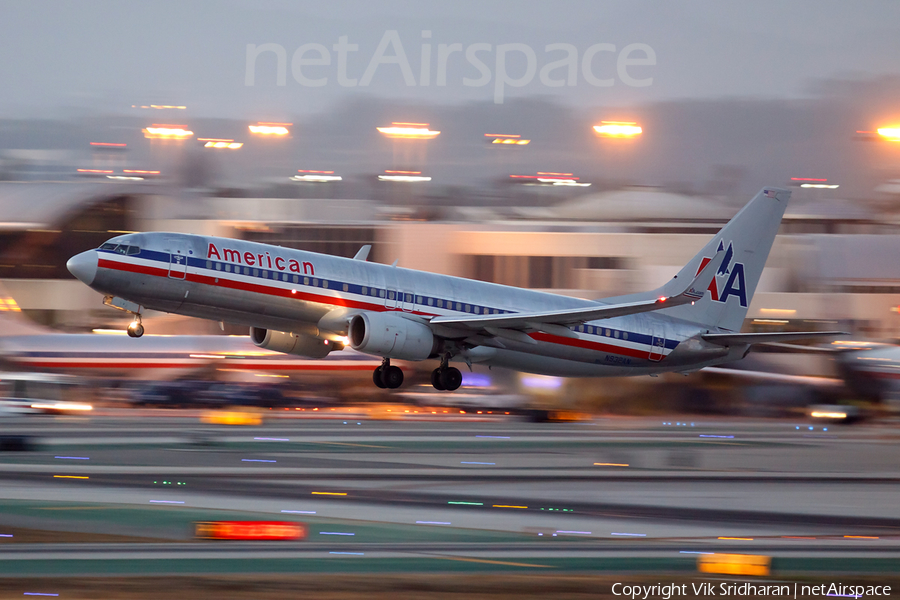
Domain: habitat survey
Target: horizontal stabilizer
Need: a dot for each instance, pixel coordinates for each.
(743, 339)
(534, 320)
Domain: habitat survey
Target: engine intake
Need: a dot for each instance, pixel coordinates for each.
(392, 336)
(301, 344)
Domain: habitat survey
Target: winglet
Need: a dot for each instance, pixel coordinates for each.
(363, 253)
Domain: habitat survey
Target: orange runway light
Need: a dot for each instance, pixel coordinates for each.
(618, 129)
(277, 129)
(507, 139)
(409, 131)
(890, 133)
(611, 464)
(84, 477)
(250, 530)
(108, 145)
(329, 493)
(104, 171)
(734, 564)
(8, 304)
(167, 132)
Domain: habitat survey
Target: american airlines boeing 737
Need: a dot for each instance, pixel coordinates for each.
(312, 304)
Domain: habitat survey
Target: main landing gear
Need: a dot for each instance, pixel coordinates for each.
(387, 376)
(446, 377)
(136, 328)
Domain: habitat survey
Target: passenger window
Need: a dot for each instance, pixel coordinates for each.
(431, 302)
(408, 297)
(459, 306)
(365, 291)
(315, 282)
(228, 268)
(297, 279)
(440, 304)
(209, 264)
(616, 334)
(625, 336)
(256, 272)
(390, 295)
(607, 333)
(325, 283)
(305, 280)
(418, 299)
(218, 266)
(374, 292)
(346, 288)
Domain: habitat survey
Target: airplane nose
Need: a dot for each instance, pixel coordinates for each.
(83, 266)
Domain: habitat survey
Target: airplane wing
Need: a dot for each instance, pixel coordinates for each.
(740, 339)
(556, 321)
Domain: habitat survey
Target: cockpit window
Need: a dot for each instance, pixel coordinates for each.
(121, 248)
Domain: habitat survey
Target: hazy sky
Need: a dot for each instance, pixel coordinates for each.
(59, 57)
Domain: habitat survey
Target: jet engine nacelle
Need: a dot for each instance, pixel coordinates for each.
(392, 336)
(301, 344)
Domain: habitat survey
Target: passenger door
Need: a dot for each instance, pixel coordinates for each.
(177, 258)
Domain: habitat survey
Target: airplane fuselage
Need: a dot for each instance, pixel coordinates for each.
(286, 290)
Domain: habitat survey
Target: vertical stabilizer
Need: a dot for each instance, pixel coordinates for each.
(746, 240)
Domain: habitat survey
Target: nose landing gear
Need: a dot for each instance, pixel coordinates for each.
(387, 376)
(135, 328)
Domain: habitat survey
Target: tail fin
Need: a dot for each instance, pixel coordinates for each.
(746, 240)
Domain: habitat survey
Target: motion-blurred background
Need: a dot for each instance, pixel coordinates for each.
(585, 149)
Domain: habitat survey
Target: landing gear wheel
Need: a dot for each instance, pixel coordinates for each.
(377, 377)
(451, 379)
(135, 329)
(392, 377)
(436, 380)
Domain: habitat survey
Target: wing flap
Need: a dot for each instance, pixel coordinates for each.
(561, 318)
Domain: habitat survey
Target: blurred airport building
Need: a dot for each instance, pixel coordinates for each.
(833, 266)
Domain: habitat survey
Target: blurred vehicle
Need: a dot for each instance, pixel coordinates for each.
(22, 393)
